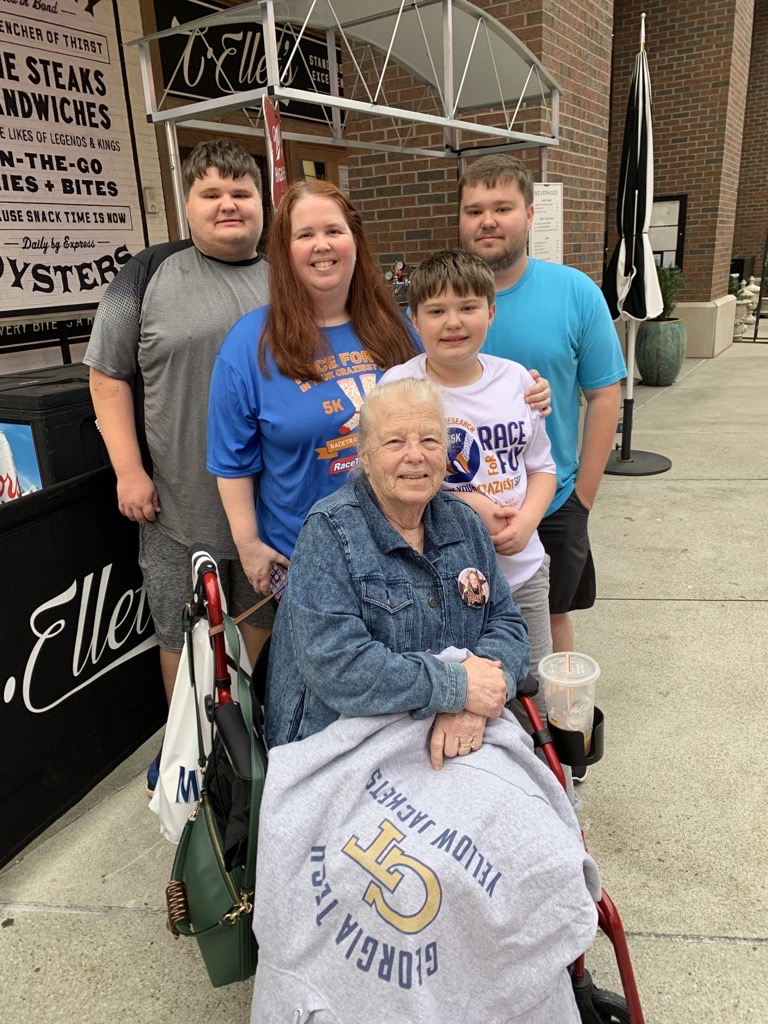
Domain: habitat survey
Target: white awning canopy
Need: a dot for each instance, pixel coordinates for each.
(477, 78)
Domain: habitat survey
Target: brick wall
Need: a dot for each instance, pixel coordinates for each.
(409, 202)
(699, 60)
(576, 49)
(752, 207)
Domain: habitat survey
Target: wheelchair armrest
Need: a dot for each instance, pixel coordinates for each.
(529, 687)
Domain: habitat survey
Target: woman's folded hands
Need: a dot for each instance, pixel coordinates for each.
(455, 735)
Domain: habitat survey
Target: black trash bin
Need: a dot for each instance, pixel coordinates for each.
(54, 403)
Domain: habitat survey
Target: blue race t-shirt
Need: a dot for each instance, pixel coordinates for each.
(556, 320)
(298, 437)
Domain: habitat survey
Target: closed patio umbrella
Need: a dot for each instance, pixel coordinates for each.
(630, 285)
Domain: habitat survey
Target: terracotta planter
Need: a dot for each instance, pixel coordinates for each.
(660, 351)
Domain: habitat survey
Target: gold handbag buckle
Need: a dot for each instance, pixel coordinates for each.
(245, 906)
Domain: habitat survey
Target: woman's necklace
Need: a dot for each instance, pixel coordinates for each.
(414, 535)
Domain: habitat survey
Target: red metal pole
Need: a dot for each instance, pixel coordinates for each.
(548, 749)
(610, 923)
(216, 618)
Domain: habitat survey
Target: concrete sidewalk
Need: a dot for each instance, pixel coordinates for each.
(675, 815)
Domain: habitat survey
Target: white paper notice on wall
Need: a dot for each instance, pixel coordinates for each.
(545, 240)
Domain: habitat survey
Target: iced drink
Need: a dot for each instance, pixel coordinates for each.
(569, 690)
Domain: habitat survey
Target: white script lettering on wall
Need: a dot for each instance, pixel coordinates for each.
(86, 626)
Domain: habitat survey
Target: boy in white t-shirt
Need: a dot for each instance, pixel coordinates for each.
(498, 450)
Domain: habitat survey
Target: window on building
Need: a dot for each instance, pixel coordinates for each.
(312, 170)
(667, 230)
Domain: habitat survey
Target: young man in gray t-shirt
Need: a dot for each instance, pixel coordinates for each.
(155, 338)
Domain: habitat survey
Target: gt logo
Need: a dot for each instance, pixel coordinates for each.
(381, 860)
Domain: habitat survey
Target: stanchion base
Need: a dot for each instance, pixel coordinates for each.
(638, 464)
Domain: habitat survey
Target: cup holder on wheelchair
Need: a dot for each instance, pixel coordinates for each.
(570, 745)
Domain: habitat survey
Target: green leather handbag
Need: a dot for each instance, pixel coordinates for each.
(206, 900)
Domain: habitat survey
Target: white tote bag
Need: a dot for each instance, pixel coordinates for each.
(178, 787)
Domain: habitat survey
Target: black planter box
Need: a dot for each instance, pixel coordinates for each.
(56, 404)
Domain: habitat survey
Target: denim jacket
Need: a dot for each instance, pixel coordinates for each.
(363, 616)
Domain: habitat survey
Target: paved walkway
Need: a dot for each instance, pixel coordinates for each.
(675, 814)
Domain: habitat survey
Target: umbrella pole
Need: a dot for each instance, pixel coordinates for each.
(626, 430)
(629, 402)
(625, 462)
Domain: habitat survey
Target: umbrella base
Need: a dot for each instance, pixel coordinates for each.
(638, 464)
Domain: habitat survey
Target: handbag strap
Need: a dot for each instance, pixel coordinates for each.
(254, 608)
(257, 766)
(187, 626)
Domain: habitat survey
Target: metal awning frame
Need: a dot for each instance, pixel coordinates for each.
(443, 80)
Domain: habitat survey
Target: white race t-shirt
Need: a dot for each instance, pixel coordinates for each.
(494, 441)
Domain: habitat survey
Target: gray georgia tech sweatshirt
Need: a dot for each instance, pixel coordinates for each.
(388, 892)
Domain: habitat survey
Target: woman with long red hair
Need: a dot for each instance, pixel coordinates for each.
(291, 376)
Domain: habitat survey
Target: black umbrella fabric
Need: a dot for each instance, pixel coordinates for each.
(630, 286)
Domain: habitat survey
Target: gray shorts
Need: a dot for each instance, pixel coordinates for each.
(533, 600)
(168, 580)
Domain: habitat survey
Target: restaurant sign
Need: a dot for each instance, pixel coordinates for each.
(70, 214)
(220, 60)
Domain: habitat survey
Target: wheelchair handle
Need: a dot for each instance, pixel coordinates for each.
(204, 559)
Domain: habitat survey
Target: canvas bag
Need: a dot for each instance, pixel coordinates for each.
(178, 787)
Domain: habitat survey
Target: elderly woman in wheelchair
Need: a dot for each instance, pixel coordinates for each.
(388, 889)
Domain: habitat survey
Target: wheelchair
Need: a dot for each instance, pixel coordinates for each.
(232, 746)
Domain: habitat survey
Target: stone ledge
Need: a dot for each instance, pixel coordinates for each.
(709, 326)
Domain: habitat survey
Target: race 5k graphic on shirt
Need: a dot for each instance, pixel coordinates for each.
(354, 374)
(485, 458)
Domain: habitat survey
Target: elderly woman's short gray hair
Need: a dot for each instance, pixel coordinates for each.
(408, 390)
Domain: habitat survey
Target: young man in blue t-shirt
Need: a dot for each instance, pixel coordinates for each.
(555, 318)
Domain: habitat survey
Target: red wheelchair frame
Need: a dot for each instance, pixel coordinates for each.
(596, 1006)
(588, 998)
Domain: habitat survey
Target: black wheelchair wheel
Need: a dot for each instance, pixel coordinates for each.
(610, 1008)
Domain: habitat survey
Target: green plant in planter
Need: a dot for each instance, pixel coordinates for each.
(661, 342)
(670, 283)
